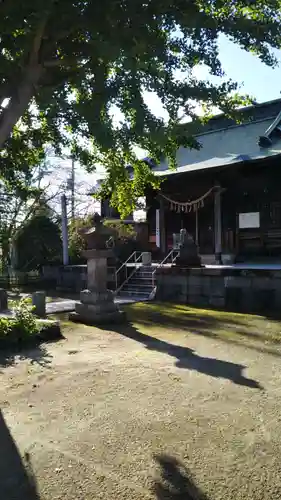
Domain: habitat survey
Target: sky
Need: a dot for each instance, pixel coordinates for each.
(260, 81)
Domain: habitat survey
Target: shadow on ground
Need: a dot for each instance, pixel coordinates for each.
(209, 323)
(175, 481)
(256, 332)
(16, 478)
(36, 355)
(187, 358)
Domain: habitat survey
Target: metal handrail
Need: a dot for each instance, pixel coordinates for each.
(133, 255)
(126, 281)
(136, 259)
(161, 264)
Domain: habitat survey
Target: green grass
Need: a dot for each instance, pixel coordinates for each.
(172, 318)
(177, 320)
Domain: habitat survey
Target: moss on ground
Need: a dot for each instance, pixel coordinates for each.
(242, 328)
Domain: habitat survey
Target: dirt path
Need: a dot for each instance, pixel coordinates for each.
(103, 416)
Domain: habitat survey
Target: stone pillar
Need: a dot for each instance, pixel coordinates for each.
(218, 226)
(146, 259)
(39, 303)
(97, 269)
(97, 304)
(162, 226)
(157, 228)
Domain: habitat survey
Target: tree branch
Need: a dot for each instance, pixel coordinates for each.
(4, 94)
(65, 63)
(19, 103)
(37, 41)
(61, 35)
(26, 88)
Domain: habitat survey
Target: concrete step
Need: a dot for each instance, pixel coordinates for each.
(143, 275)
(145, 289)
(140, 281)
(140, 284)
(133, 293)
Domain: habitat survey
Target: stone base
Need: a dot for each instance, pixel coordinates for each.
(88, 318)
(49, 330)
(97, 307)
(94, 297)
(188, 261)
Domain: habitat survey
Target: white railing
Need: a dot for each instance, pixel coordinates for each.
(126, 281)
(134, 258)
(170, 257)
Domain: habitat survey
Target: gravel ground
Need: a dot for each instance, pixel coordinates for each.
(104, 415)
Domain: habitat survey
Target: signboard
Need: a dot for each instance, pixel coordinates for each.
(249, 220)
(157, 232)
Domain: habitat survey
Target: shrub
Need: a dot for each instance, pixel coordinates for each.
(24, 320)
(22, 326)
(5, 328)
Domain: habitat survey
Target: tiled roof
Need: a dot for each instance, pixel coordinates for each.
(224, 142)
(235, 143)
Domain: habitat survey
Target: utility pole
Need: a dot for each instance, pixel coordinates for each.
(64, 230)
(72, 190)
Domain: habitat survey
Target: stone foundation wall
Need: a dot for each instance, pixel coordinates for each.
(73, 278)
(233, 289)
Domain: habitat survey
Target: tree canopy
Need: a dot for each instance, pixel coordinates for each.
(39, 241)
(67, 66)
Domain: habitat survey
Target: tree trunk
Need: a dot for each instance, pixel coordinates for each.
(19, 103)
(5, 258)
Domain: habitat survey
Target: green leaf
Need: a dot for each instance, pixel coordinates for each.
(67, 66)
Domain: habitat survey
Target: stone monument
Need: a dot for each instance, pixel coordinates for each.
(188, 251)
(97, 304)
(39, 303)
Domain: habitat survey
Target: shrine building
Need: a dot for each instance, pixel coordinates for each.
(227, 194)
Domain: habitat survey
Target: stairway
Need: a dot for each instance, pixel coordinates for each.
(140, 285)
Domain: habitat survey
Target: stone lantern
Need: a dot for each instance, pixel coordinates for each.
(97, 302)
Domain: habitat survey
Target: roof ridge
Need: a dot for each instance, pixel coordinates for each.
(249, 107)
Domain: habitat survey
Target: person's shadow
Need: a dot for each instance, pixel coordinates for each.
(17, 481)
(188, 359)
(175, 482)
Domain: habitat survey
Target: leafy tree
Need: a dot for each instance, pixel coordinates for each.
(124, 236)
(18, 204)
(122, 231)
(66, 66)
(38, 242)
(76, 244)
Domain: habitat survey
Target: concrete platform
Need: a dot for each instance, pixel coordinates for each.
(68, 305)
(274, 267)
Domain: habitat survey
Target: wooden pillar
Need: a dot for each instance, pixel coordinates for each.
(196, 228)
(218, 225)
